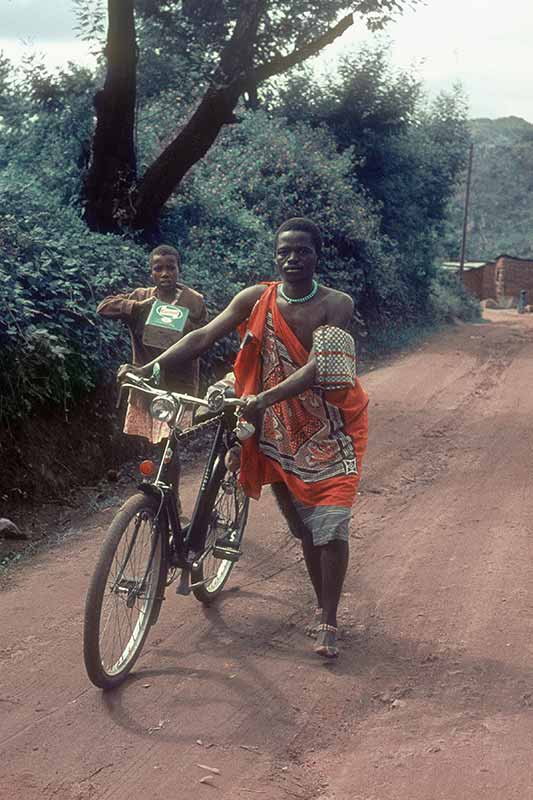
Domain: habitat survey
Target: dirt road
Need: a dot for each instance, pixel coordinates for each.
(433, 695)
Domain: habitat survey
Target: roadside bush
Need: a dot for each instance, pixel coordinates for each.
(53, 348)
(261, 173)
(449, 300)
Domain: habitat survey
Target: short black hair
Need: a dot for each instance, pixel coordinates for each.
(164, 250)
(301, 224)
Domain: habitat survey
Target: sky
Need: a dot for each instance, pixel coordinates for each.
(484, 44)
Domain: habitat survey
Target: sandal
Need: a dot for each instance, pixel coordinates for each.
(326, 644)
(312, 629)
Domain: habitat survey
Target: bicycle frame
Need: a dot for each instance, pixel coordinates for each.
(184, 548)
(182, 545)
(166, 549)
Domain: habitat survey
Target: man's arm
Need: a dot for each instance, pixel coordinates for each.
(340, 311)
(197, 342)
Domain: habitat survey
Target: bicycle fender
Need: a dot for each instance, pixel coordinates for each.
(150, 490)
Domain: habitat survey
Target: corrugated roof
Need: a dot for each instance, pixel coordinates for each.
(454, 265)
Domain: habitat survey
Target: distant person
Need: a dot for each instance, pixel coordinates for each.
(149, 341)
(296, 369)
(522, 301)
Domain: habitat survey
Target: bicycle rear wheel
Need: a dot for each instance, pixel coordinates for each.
(229, 515)
(127, 586)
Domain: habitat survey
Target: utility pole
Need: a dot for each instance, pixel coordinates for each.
(465, 217)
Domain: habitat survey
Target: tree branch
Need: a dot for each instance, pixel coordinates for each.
(233, 76)
(283, 63)
(213, 112)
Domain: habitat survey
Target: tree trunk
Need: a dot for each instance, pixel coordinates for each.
(114, 199)
(112, 167)
(235, 75)
(191, 144)
(214, 111)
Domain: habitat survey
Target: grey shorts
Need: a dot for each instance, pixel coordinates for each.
(323, 523)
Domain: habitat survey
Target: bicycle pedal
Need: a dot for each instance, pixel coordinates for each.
(184, 583)
(227, 553)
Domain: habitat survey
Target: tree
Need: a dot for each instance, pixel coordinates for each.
(502, 192)
(407, 152)
(113, 163)
(249, 42)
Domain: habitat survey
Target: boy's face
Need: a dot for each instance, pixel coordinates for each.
(295, 256)
(164, 271)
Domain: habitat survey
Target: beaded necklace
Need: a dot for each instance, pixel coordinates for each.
(307, 297)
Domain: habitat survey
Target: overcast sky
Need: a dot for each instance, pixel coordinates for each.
(485, 44)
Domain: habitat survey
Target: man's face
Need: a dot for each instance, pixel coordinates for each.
(296, 257)
(165, 271)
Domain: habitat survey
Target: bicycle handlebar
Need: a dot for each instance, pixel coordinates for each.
(217, 403)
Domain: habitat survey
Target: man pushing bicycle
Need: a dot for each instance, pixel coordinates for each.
(296, 371)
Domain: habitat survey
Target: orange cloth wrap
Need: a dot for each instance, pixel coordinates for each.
(318, 433)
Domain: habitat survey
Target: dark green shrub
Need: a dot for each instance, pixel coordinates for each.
(52, 274)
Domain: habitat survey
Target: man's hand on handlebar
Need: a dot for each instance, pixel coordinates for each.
(254, 408)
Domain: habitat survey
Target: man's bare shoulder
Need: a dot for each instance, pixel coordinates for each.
(248, 297)
(339, 300)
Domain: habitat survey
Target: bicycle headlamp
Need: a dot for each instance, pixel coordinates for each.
(164, 408)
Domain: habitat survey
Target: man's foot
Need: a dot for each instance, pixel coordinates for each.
(227, 548)
(326, 641)
(312, 629)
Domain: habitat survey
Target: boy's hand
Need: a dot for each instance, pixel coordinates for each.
(141, 305)
(141, 372)
(148, 301)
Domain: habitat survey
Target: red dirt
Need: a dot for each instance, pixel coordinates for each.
(433, 694)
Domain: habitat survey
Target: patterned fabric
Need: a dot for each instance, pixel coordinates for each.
(313, 443)
(304, 434)
(139, 422)
(335, 358)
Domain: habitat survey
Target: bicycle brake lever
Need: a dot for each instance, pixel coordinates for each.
(244, 429)
(119, 397)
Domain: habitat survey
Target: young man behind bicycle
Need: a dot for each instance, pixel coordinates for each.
(134, 308)
(296, 369)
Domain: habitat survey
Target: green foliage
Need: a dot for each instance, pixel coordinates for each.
(53, 272)
(501, 198)
(448, 303)
(46, 125)
(449, 300)
(174, 64)
(406, 154)
(261, 173)
(381, 224)
(284, 24)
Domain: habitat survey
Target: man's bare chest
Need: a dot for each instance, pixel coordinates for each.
(304, 319)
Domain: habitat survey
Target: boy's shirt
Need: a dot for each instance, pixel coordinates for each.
(126, 308)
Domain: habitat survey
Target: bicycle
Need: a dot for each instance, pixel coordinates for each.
(147, 548)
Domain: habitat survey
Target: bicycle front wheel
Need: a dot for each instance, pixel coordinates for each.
(229, 515)
(127, 585)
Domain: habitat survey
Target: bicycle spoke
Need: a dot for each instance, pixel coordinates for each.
(131, 593)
